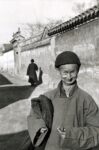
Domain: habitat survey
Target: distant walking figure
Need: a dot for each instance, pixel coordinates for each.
(31, 72)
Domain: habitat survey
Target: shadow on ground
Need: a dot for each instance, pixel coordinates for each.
(11, 94)
(4, 80)
(17, 141)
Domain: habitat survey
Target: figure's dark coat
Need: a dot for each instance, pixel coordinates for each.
(31, 72)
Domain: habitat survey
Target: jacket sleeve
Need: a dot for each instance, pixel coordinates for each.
(35, 123)
(84, 137)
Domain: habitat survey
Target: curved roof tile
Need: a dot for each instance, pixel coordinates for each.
(88, 15)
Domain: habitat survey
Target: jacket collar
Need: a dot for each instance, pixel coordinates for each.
(61, 92)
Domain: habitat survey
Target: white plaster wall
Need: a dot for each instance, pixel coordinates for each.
(7, 62)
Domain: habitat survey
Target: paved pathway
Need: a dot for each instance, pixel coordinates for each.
(15, 79)
(14, 107)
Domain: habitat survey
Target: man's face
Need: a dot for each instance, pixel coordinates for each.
(68, 73)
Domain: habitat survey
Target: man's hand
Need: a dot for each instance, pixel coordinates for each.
(43, 129)
(62, 132)
(40, 136)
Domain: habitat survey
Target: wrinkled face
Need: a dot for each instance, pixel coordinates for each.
(68, 73)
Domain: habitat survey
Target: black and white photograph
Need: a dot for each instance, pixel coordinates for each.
(49, 74)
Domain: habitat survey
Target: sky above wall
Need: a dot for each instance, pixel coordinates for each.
(15, 13)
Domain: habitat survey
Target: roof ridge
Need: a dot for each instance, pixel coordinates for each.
(85, 16)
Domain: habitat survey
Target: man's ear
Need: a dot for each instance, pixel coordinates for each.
(78, 68)
(57, 69)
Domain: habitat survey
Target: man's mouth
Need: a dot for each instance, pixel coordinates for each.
(68, 80)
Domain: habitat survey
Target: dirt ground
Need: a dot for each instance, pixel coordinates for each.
(13, 111)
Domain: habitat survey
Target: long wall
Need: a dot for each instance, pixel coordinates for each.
(7, 62)
(84, 41)
(43, 57)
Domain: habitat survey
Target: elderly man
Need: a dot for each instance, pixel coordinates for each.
(65, 118)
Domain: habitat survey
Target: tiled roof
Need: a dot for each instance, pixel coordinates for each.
(84, 17)
(7, 47)
(37, 44)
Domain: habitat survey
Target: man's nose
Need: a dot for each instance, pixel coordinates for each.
(69, 76)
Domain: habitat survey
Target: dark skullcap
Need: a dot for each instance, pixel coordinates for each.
(67, 57)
